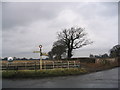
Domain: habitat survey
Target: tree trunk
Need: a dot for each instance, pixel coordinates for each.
(69, 55)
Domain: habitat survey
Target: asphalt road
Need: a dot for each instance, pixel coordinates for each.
(102, 79)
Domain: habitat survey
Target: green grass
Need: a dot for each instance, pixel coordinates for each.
(41, 73)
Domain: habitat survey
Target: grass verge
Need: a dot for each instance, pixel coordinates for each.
(41, 73)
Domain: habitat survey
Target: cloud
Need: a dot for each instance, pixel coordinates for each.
(26, 25)
(23, 13)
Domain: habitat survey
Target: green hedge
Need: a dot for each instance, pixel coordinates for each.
(41, 73)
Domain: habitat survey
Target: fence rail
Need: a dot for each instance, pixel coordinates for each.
(36, 65)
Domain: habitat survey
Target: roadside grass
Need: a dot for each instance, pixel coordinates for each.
(41, 73)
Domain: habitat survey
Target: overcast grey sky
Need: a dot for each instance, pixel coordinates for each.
(26, 25)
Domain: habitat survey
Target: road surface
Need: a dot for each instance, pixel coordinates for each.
(102, 79)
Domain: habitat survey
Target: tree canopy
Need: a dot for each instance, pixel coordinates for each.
(115, 51)
(58, 50)
(73, 38)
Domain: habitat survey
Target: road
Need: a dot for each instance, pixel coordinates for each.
(102, 79)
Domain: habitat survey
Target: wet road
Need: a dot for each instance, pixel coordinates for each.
(102, 79)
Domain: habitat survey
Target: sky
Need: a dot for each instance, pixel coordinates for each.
(26, 25)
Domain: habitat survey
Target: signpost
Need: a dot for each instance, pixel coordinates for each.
(40, 46)
(41, 54)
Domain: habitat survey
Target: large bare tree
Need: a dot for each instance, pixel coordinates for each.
(74, 38)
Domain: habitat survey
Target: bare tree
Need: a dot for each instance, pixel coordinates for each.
(73, 38)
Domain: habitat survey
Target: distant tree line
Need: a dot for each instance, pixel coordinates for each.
(114, 52)
(15, 58)
(99, 56)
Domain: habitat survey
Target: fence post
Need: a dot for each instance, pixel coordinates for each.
(79, 65)
(61, 64)
(44, 65)
(53, 64)
(25, 65)
(16, 65)
(35, 66)
(68, 64)
(74, 64)
(7, 66)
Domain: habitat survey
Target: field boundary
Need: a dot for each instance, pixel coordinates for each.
(36, 65)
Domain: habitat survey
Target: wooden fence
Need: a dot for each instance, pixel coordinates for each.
(36, 65)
